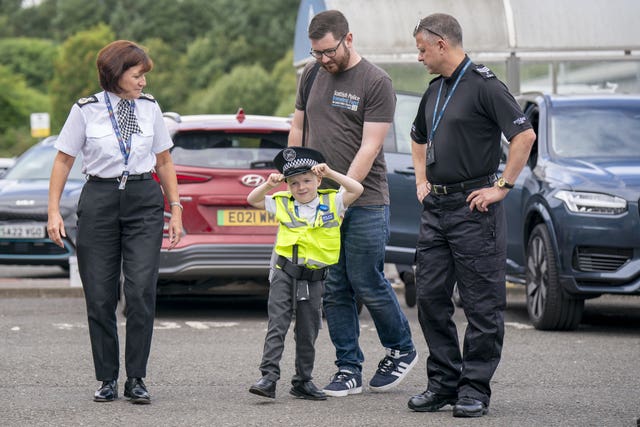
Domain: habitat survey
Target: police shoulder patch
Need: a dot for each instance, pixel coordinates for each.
(88, 100)
(484, 71)
(147, 96)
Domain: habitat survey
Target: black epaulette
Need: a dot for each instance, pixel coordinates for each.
(484, 71)
(88, 100)
(147, 97)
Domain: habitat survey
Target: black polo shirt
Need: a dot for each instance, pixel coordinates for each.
(467, 139)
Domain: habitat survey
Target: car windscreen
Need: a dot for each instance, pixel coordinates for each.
(608, 131)
(227, 150)
(36, 163)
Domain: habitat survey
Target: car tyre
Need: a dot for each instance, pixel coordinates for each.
(409, 280)
(549, 307)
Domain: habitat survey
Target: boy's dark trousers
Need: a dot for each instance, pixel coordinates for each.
(308, 321)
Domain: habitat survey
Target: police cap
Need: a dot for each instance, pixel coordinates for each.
(296, 160)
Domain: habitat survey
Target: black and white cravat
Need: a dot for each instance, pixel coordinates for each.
(127, 121)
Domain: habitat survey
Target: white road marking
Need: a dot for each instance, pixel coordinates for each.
(157, 325)
(197, 325)
(68, 326)
(166, 325)
(518, 325)
(208, 325)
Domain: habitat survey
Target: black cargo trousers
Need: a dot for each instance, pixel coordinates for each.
(456, 244)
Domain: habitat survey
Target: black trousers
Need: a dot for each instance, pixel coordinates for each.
(120, 230)
(456, 244)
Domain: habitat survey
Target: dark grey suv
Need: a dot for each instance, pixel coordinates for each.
(573, 219)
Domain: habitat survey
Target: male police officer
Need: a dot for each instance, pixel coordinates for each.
(456, 152)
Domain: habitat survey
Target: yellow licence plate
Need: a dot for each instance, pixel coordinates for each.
(246, 217)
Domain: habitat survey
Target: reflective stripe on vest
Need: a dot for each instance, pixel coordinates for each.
(318, 243)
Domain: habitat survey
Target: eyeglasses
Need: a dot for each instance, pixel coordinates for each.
(420, 27)
(329, 53)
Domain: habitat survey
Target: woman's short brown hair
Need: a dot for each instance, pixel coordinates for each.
(116, 58)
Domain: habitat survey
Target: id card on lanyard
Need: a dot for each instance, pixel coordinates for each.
(125, 146)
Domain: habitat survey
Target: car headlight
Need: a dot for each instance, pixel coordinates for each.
(592, 203)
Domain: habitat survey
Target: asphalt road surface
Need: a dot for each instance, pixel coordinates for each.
(206, 352)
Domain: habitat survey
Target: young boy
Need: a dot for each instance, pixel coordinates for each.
(308, 241)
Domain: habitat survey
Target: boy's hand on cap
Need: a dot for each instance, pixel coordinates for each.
(275, 179)
(321, 169)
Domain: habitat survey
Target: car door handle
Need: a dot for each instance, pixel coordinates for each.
(406, 171)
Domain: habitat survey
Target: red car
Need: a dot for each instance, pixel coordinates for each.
(219, 159)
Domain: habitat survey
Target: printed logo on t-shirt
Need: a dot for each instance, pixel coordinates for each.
(345, 100)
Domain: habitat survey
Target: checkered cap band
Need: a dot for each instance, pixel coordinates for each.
(301, 163)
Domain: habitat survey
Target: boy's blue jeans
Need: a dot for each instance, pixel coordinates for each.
(360, 272)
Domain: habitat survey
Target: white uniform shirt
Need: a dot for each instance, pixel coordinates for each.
(89, 130)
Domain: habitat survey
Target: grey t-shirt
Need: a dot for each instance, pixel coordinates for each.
(337, 108)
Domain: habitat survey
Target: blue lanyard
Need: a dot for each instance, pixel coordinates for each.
(435, 123)
(320, 207)
(125, 146)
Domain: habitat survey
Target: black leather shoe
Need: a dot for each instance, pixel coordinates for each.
(264, 388)
(307, 390)
(107, 392)
(136, 391)
(430, 401)
(467, 407)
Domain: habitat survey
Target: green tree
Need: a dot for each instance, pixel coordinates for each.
(75, 73)
(30, 57)
(268, 27)
(249, 87)
(194, 43)
(8, 10)
(17, 102)
(34, 21)
(167, 82)
(73, 16)
(211, 57)
(176, 23)
(285, 77)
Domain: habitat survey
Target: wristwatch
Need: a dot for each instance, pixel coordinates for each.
(503, 183)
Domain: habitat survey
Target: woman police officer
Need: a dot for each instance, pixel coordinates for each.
(123, 139)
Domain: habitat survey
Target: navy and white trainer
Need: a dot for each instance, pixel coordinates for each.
(344, 383)
(392, 369)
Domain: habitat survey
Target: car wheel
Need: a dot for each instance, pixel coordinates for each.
(455, 296)
(549, 307)
(409, 280)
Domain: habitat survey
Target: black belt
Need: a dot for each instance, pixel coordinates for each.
(459, 187)
(301, 272)
(141, 177)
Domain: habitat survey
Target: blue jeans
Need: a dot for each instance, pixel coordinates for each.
(360, 273)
